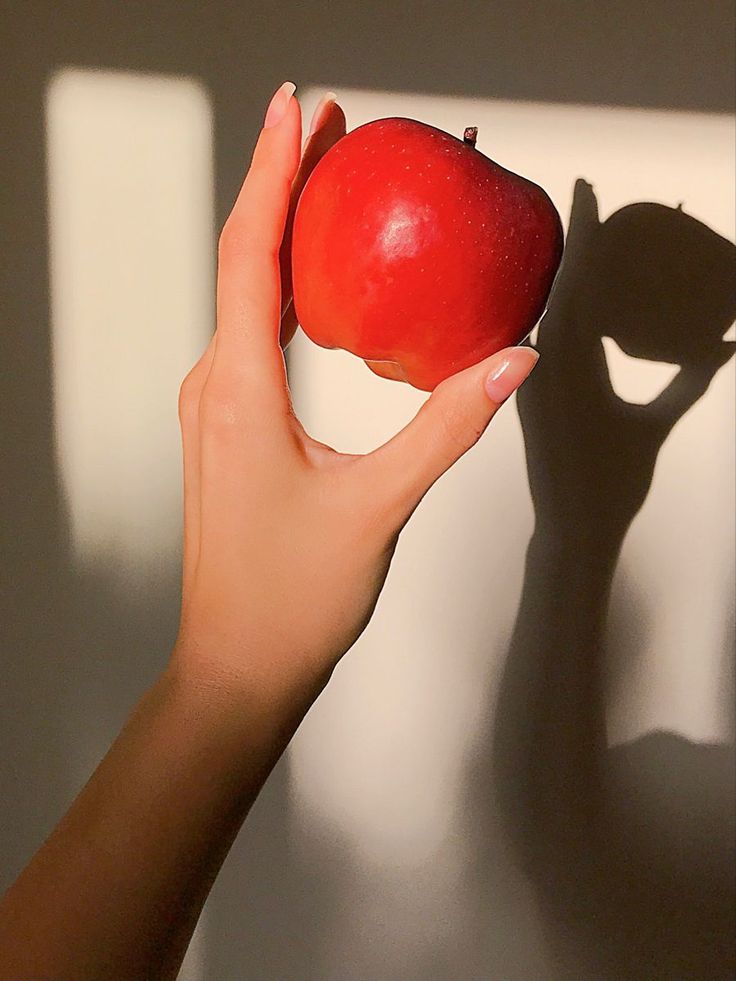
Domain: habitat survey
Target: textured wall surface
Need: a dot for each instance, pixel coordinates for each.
(525, 768)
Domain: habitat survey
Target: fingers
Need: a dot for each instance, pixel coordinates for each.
(189, 398)
(584, 214)
(452, 420)
(688, 385)
(327, 127)
(248, 283)
(561, 325)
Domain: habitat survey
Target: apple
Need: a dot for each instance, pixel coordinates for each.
(419, 254)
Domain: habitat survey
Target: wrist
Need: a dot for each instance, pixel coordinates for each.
(220, 673)
(240, 729)
(575, 568)
(586, 544)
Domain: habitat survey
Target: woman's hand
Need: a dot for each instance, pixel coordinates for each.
(286, 546)
(287, 543)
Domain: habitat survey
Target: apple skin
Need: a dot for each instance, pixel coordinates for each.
(419, 254)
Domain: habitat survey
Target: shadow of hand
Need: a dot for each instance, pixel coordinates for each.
(660, 284)
(627, 848)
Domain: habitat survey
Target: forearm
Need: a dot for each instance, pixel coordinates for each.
(117, 888)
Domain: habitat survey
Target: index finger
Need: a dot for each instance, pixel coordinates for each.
(248, 277)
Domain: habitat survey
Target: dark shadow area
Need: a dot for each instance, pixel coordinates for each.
(630, 849)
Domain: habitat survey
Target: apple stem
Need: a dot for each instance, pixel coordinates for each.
(470, 135)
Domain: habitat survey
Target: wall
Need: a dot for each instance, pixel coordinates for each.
(527, 772)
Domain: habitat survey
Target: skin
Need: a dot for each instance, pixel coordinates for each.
(286, 547)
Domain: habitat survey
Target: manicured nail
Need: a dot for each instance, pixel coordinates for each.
(278, 105)
(319, 113)
(510, 369)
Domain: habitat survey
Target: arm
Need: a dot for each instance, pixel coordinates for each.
(286, 547)
(550, 730)
(116, 890)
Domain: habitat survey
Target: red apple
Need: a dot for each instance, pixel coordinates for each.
(418, 253)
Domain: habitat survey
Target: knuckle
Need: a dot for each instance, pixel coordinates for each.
(460, 429)
(219, 412)
(254, 226)
(238, 243)
(268, 183)
(233, 242)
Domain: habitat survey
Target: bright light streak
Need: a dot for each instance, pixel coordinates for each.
(131, 238)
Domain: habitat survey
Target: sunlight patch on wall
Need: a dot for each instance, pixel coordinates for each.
(130, 179)
(636, 380)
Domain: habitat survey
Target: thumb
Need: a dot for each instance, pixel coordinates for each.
(449, 423)
(689, 384)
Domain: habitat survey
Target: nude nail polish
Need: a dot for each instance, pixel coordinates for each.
(278, 105)
(512, 367)
(318, 115)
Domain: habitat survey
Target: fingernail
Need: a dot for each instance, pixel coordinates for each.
(510, 369)
(278, 105)
(319, 113)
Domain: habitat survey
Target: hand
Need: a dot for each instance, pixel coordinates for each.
(286, 542)
(286, 546)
